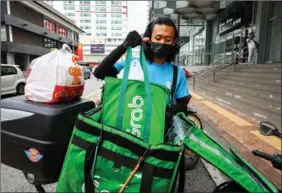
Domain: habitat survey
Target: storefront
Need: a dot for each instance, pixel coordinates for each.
(219, 40)
(230, 28)
(192, 53)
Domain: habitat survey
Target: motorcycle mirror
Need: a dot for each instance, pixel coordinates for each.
(267, 129)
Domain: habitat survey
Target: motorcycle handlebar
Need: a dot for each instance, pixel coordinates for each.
(263, 155)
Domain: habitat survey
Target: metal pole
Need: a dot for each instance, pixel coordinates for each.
(232, 51)
(194, 81)
(253, 15)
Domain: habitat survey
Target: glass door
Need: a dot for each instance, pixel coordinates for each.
(274, 35)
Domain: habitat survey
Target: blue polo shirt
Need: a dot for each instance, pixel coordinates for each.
(162, 74)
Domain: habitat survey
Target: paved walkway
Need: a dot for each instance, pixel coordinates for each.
(241, 132)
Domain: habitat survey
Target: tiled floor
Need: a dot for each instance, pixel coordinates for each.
(241, 132)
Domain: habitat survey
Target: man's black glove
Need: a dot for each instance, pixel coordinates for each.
(132, 40)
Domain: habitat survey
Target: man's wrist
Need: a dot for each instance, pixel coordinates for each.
(125, 44)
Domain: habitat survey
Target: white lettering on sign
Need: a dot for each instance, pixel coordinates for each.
(136, 115)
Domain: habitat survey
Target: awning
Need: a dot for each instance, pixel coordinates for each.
(191, 12)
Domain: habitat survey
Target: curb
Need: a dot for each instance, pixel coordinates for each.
(217, 177)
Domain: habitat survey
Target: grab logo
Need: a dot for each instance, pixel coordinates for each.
(75, 72)
(136, 115)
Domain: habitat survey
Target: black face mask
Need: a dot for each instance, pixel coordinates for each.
(161, 50)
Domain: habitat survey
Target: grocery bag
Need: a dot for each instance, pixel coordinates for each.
(55, 77)
(136, 106)
(135, 71)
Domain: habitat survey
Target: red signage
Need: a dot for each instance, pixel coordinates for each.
(79, 52)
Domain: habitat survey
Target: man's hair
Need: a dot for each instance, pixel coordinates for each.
(148, 33)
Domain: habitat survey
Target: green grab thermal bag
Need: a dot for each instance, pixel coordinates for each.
(118, 152)
(136, 106)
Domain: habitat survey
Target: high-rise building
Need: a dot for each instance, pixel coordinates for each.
(30, 29)
(49, 3)
(104, 21)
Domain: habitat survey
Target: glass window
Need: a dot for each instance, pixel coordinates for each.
(101, 34)
(274, 35)
(8, 70)
(49, 26)
(101, 15)
(116, 22)
(116, 2)
(85, 21)
(101, 21)
(101, 28)
(85, 27)
(68, 7)
(84, 8)
(85, 2)
(48, 43)
(3, 33)
(70, 14)
(117, 9)
(100, 2)
(70, 34)
(117, 15)
(85, 15)
(62, 31)
(101, 8)
(68, 1)
(116, 28)
(117, 34)
(88, 34)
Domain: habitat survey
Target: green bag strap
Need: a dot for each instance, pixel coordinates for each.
(148, 98)
(210, 151)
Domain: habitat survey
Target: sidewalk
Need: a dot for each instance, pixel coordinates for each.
(241, 132)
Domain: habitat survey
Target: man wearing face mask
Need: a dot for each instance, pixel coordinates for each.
(160, 47)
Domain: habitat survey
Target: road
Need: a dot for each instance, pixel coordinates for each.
(197, 180)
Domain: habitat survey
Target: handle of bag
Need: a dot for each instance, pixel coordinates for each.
(148, 98)
(66, 47)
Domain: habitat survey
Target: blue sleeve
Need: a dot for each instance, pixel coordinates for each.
(119, 65)
(182, 85)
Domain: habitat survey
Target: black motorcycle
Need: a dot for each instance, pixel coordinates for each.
(268, 129)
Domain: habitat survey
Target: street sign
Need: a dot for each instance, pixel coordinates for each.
(97, 48)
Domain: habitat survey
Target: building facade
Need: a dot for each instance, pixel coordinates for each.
(30, 29)
(217, 30)
(104, 20)
(223, 38)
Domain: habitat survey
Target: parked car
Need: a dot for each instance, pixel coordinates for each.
(12, 80)
(86, 73)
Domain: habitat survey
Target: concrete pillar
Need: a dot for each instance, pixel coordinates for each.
(26, 62)
(10, 58)
(261, 29)
(208, 39)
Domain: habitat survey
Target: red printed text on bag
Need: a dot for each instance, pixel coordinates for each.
(75, 72)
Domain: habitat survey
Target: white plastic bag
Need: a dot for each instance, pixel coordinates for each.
(135, 71)
(55, 77)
